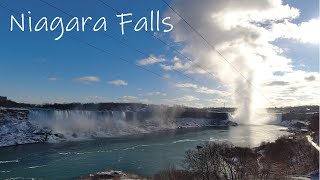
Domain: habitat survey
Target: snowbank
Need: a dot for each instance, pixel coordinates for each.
(15, 129)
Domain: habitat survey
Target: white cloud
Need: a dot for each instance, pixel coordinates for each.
(52, 79)
(277, 83)
(88, 79)
(232, 16)
(127, 99)
(306, 32)
(166, 76)
(201, 89)
(294, 88)
(188, 66)
(187, 85)
(186, 98)
(206, 90)
(118, 82)
(157, 94)
(244, 33)
(150, 60)
(145, 101)
(219, 102)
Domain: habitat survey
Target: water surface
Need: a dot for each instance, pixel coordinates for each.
(142, 154)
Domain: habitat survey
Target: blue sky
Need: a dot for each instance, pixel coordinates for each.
(37, 69)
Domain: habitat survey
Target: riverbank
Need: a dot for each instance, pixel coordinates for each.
(286, 158)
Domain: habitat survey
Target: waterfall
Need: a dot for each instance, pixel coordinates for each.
(77, 124)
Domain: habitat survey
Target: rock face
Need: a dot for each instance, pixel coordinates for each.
(15, 129)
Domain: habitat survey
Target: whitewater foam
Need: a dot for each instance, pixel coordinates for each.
(11, 161)
(185, 140)
(75, 153)
(15, 178)
(5, 171)
(143, 145)
(34, 167)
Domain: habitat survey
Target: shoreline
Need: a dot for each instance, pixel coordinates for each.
(260, 160)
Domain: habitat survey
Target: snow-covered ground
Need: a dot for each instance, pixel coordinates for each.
(15, 132)
(311, 176)
(15, 129)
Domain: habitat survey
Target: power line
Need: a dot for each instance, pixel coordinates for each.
(95, 47)
(122, 42)
(177, 51)
(103, 51)
(214, 49)
(162, 41)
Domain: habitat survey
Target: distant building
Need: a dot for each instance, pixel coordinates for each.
(3, 98)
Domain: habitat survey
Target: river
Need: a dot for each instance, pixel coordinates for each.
(144, 154)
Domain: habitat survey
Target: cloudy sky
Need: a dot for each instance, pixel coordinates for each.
(262, 52)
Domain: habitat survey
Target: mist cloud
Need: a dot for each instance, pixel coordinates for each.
(244, 32)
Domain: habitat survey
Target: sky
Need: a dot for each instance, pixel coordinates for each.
(272, 44)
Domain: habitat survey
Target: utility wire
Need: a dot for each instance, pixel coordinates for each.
(5, 6)
(214, 49)
(187, 58)
(97, 48)
(163, 42)
(115, 39)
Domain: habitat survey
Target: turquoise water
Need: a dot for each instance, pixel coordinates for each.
(142, 154)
